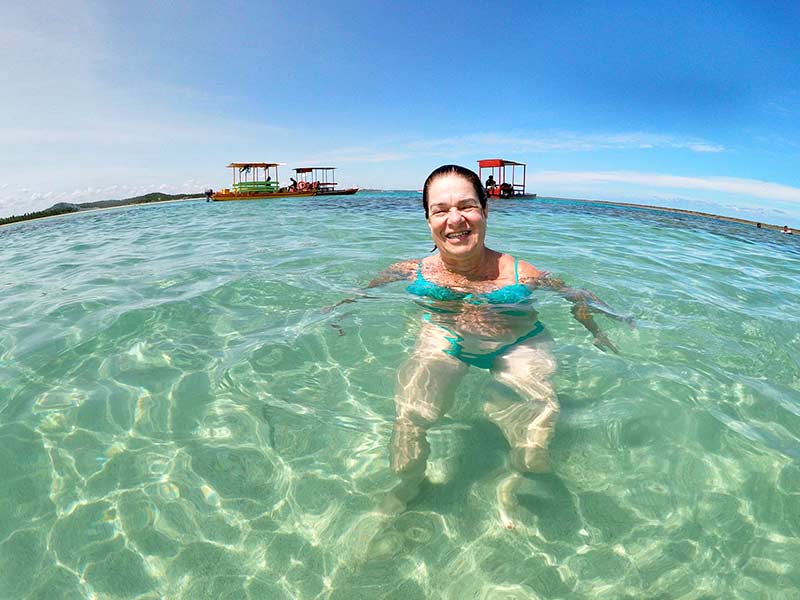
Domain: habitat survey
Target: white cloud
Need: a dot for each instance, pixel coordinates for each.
(391, 150)
(785, 105)
(705, 148)
(359, 154)
(561, 141)
(730, 185)
(395, 150)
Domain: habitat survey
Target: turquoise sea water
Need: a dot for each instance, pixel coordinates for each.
(179, 418)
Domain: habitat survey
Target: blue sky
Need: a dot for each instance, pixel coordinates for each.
(689, 104)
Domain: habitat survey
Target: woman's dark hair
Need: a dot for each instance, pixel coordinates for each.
(470, 176)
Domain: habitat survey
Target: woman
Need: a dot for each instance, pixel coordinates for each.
(479, 314)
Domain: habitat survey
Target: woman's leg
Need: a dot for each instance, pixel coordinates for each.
(426, 386)
(526, 417)
(526, 424)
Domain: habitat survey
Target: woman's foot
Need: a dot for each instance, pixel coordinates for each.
(507, 500)
(396, 500)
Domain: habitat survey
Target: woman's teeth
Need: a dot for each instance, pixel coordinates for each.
(458, 234)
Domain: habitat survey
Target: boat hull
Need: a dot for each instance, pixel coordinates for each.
(232, 196)
(498, 196)
(346, 192)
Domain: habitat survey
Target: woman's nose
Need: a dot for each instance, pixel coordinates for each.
(454, 215)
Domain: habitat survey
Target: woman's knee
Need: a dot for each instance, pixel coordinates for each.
(529, 388)
(419, 414)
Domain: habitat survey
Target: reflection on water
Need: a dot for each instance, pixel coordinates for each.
(180, 419)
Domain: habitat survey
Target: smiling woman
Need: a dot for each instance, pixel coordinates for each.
(478, 313)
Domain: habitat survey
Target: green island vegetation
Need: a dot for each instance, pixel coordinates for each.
(65, 207)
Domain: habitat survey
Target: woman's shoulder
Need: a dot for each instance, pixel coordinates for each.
(525, 270)
(405, 267)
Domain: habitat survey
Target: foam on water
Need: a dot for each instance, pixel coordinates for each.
(179, 418)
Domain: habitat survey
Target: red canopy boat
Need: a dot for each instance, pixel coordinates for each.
(503, 186)
(322, 180)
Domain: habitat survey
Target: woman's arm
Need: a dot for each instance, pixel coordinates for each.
(584, 303)
(396, 272)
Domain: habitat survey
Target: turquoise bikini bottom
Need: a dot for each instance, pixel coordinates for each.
(482, 361)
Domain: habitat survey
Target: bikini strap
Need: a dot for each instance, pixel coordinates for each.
(419, 269)
(516, 271)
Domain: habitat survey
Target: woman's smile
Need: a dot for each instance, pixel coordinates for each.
(459, 235)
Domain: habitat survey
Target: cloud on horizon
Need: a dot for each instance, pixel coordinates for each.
(729, 185)
(530, 142)
(564, 141)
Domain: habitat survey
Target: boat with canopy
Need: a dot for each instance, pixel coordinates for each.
(322, 179)
(254, 181)
(503, 186)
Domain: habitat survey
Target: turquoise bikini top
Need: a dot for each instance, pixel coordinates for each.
(509, 294)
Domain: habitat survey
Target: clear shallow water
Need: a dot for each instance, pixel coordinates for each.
(179, 419)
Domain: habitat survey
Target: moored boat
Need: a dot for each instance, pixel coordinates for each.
(503, 186)
(253, 181)
(322, 179)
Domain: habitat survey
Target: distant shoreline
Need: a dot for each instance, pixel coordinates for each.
(65, 208)
(156, 198)
(681, 211)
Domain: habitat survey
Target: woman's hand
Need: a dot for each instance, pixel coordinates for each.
(584, 303)
(601, 341)
(327, 309)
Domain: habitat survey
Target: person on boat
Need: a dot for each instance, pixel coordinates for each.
(490, 183)
(293, 186)
(478, 314)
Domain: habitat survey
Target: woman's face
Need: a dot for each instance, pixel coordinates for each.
(455, 216)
